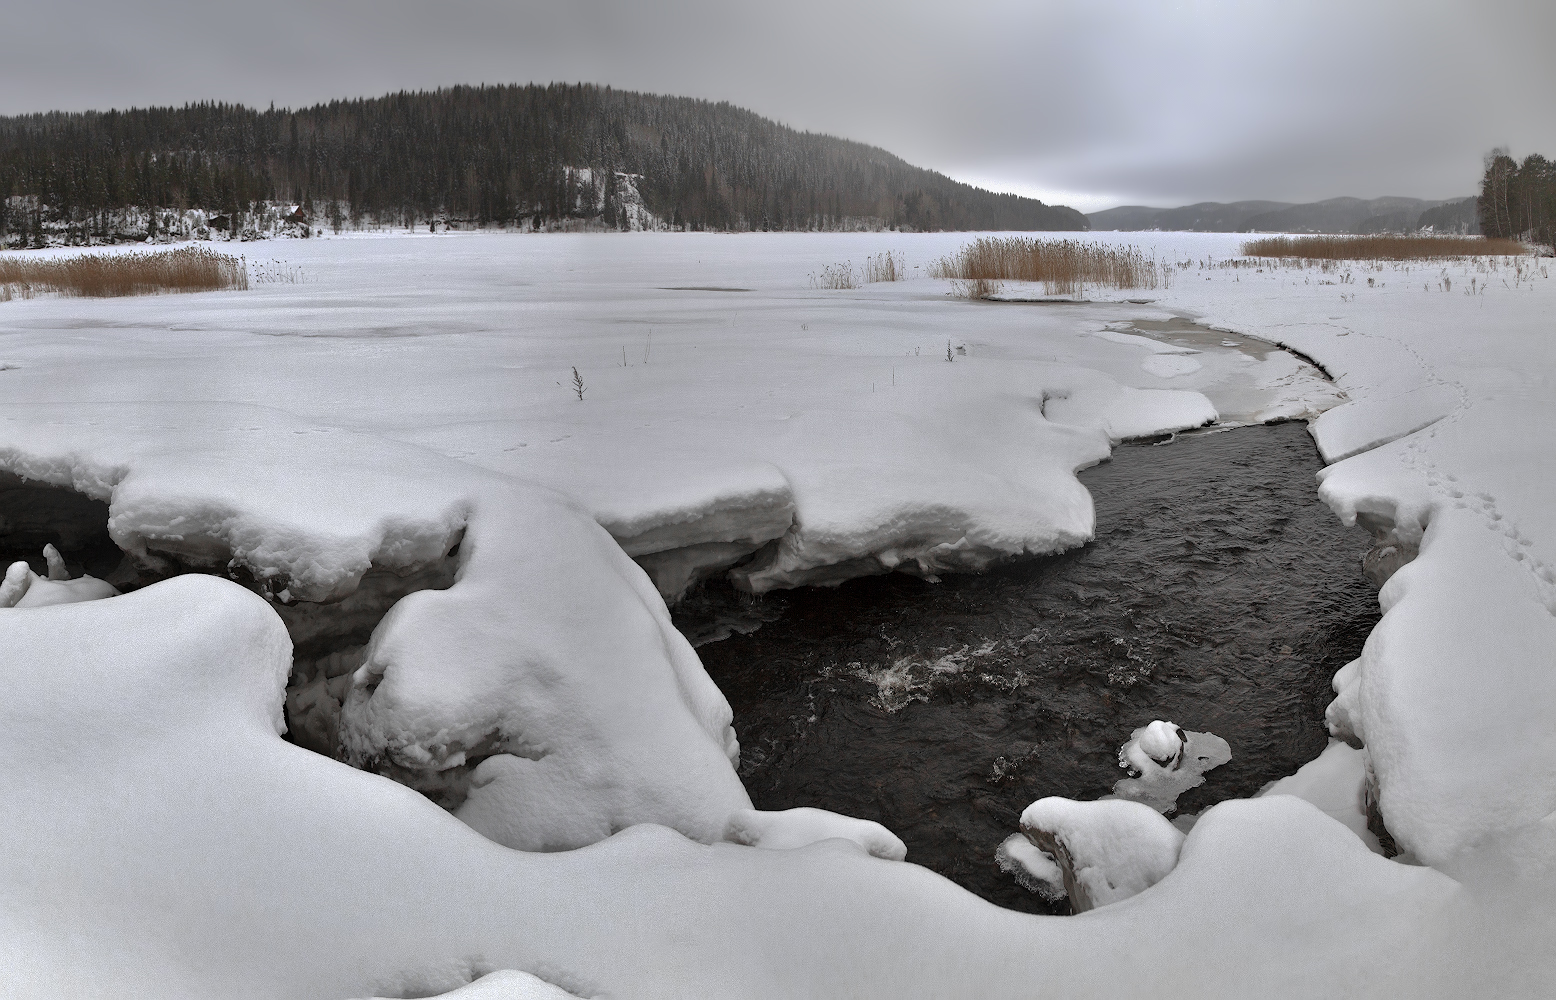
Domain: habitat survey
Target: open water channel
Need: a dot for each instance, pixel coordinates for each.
(1219, 594)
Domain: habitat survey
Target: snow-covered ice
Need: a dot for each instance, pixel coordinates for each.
(411, 404)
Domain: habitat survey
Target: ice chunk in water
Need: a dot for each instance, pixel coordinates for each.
(1165, 761)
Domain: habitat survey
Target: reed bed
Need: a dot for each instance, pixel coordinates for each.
(1064, 267)
(188, 269)
(1381, 247)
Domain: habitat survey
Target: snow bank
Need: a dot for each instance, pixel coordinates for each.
(1451, 691)
(1449, 470)
(1123, 413)
(1364, 424)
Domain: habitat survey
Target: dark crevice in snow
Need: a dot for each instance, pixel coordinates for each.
(328, 643)
(34, 514)
(1389, 551)
(328, 639)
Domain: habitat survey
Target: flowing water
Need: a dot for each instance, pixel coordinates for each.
(1219, 594)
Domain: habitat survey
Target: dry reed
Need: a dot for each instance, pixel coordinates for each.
(1065, 267)
(1381, 247)
(884, 267)
(975, 288)
(835, 276)
(188, 269)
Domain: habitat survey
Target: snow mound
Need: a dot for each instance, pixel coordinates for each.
(563, 703)
(1107, 850)
(1335, 782)
(791, 828)
(506, 984)
(22, 588)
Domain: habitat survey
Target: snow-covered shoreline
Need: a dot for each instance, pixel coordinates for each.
(412, 390)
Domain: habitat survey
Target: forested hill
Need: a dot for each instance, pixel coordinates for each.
(484, 155)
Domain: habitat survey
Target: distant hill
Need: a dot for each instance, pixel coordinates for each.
(1336, 215)
(529, 155)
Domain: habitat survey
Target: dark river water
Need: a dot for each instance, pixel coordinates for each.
(1219, 594)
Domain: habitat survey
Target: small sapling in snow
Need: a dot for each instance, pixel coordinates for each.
(578, 384)
(948, 355)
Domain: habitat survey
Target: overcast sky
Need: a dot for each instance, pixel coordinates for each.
(1091, 104)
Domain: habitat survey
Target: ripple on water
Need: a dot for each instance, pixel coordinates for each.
(1219, 593)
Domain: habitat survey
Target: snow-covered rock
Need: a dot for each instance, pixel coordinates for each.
(1106, 850)
(1033, 868)
(1343, 715)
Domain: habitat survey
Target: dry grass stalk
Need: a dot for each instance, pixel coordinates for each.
(1063, 266)
(1381, 247)
(188, 269)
